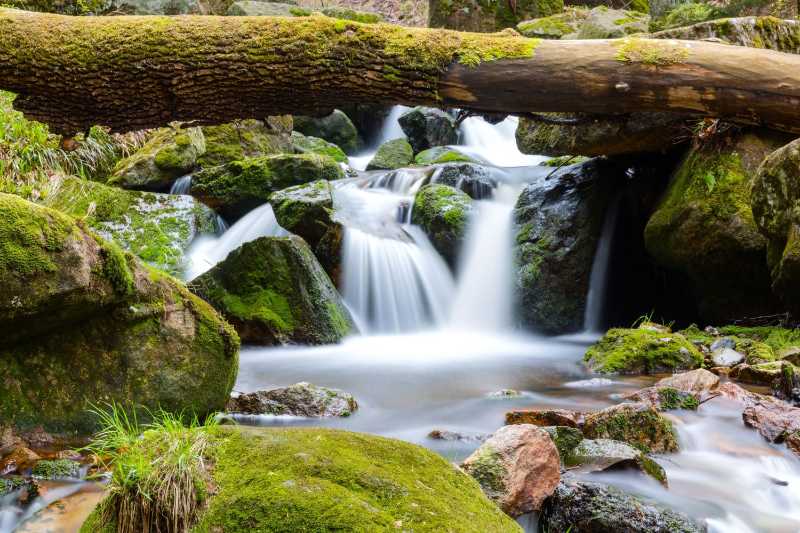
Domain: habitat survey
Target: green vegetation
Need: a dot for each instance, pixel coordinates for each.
(441, 154)
(649, 52)
(639, 425)
(393, 154)
(56, 469)
(670, 398)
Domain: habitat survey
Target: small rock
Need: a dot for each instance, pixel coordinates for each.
(545, 417)
(589, 383)
(300, 399)
(665, 398)
(697, 381)
(25, 489)
(565, 439)
(426, 127)
(444, 434)
(20, 459)
(711, 330)
(606, 454)
(638, 424)
(721, 344)
(723, 352)
(56, 469)
(517, 468)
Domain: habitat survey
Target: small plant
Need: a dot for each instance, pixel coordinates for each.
(637, 50)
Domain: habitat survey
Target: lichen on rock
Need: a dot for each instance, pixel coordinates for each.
(443, 214)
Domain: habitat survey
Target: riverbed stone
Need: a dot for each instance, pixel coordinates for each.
(642, 351)
(245, 138)
(19, 459)
(314, 479)
(637, 424)
(665, 398)
(475, 180)
(238, 187)
(598, 455)
(23, 489)
(336, 128)
(699, 381)
(391, 155)
(545, 417)
(518, 467)
(304, 144)
(274, 291)
(771, 33)
(586, 507)
(56, 469)
(168, 154)
(565, 438)
(441, 154)
(84, 323)
(487, 17)
(426, 127)
(443, 214)
(300, 399)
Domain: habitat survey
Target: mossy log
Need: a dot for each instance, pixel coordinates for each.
(139, 72)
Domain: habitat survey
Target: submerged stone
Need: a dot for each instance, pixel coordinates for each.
(300, 399)
(274, 291)
(475, 180)
(637, 424)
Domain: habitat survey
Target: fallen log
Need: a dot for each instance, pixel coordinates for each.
(138, 72)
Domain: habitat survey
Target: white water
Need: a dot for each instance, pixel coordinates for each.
(181, 185)
(391, 130)
(495, 143)
(598, 281)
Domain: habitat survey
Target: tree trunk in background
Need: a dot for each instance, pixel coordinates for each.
(138, 72)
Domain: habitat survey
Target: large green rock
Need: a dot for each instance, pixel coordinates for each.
(643, 350)
(303, 144)
(240, 186)
(254, 8)
(158, 228)
(308, 479)
(336, 128)
(604, 23)
(167, 155)
(775, 201)
(441, 154)
(637, 424)
(307, 211)
(487, 16)
(84, 323)
(756, 32)
(392, 155)
(274, 291)
(245, 138)
(703, 227)
(563, 25)
(443, 214)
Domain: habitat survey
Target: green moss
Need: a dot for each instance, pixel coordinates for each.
(239, 140)
(565, 160)
(393, 154)
(642, 6)
(566, 440)
(314, 145)
(443, 213)
(351, 14)
(55, 469)
(649, 52)
(642, 350)
(440, 155)
(116, 268)
(642, 428)
(670, 398)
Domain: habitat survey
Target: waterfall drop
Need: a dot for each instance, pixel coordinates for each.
(181, 185)
(598, 280)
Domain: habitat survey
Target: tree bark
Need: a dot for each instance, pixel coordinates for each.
(138, 72)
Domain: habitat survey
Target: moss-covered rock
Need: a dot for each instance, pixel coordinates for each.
(557, 226)
(642, 351)
(236, 188)
(604, 23)
(426, 127)
(703, 225)
(56, 469)
(302, 144)
(443, 213)
(597, 455)
(167, 155)
(323, 480)
(87, 324)
(255, 8)
(345, 13)
(336, 128)
(274, 291)
(637, 424)
(565, 438)
(478, 181)
(300, 399)
(158, 228)
(245, 138)
(563, 25)
(307, 211)
(692, 21)
(392, 155)
(487, 16)
(441, 154)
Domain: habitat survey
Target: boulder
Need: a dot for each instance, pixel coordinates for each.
(307, 211)
(723, 352)
(518, 467)
(440, 154)
(443, 214)
(392, 155)
(336, 128)
(665, 398)
(310, 479)
(57, 469)
(642, 351)
(426, 127)
(455, 436)
(169, 154)
(558, 222)
(604, 23)
(83, 323)
(487, 17)
(158, 228)
(781, 35)
(699, 381)
(545, 417)
(637, 424)
(257, 8)
(585, 507)
(156, 7)
(245, 138)
(19, 460)
(300, 399)
(601, 455)
(345, 13)
(240, 186)
(565, 438)
(477, 181)
(564, 25)
(274, 291)
(302, 144)
(774, 420)
(703, 224)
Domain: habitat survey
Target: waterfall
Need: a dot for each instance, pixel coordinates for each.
(495, 143)
(598, 280)
(182, 185)
(207, 251)
(390, 130)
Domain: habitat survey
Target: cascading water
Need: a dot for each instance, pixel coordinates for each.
(495, 143)
(181, 185)
(391, 130)
(598, 280)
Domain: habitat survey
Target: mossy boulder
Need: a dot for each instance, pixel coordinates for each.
(557, 227)
(345, 13)
(392, 155)
(477, 181)
(240, 186)
(56, 469)
(637, 424)
(85, 323)
(565, 438)
(322, 480)
(441, 154)
(443, 214)
(257, 8)
(336, 128)
(303, 144)
(642, 350)
(426, 127)
(604, 23)
(274, 291)
(245, 138)
(703, 227)
(300, 399)
(158, 228)
(484, 16)
(598, 455)
(168, 154)
(307, 211)
(782, 35)
(563, 25)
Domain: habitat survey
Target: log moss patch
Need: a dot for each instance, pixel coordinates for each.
(653, 53)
